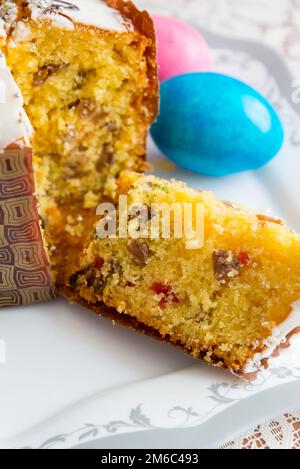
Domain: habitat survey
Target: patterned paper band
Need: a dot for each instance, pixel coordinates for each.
(25, 274)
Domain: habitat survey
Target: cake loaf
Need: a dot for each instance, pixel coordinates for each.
(227, 296)
(86, 71)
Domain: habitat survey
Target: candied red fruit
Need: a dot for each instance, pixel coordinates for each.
(244, 258)
(159, 288)
(98, 263)
(166, 292)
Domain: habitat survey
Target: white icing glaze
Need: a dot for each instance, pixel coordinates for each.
(8, 14)
(89, 12)
(278, 337)
(97, 13)
(14, 124)
(21, 33)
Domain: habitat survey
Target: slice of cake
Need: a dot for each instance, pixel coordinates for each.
(223, 289)
(87, 73)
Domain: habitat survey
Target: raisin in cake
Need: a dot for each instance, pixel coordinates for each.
(87, 72)
(228, 300)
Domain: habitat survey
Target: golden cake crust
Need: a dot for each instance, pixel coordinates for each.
(143, 24)
(129, 322)
(133, 324)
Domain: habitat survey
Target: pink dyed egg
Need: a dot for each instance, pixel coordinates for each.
(181, 48)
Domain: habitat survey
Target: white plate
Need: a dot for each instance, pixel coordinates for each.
(72, 379)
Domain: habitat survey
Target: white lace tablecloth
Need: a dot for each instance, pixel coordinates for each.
(281, 433)
(275, 23)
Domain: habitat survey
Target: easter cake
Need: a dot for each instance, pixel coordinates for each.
(226, 296)
(86, 71)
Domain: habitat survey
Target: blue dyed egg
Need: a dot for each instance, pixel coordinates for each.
(216, 125)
